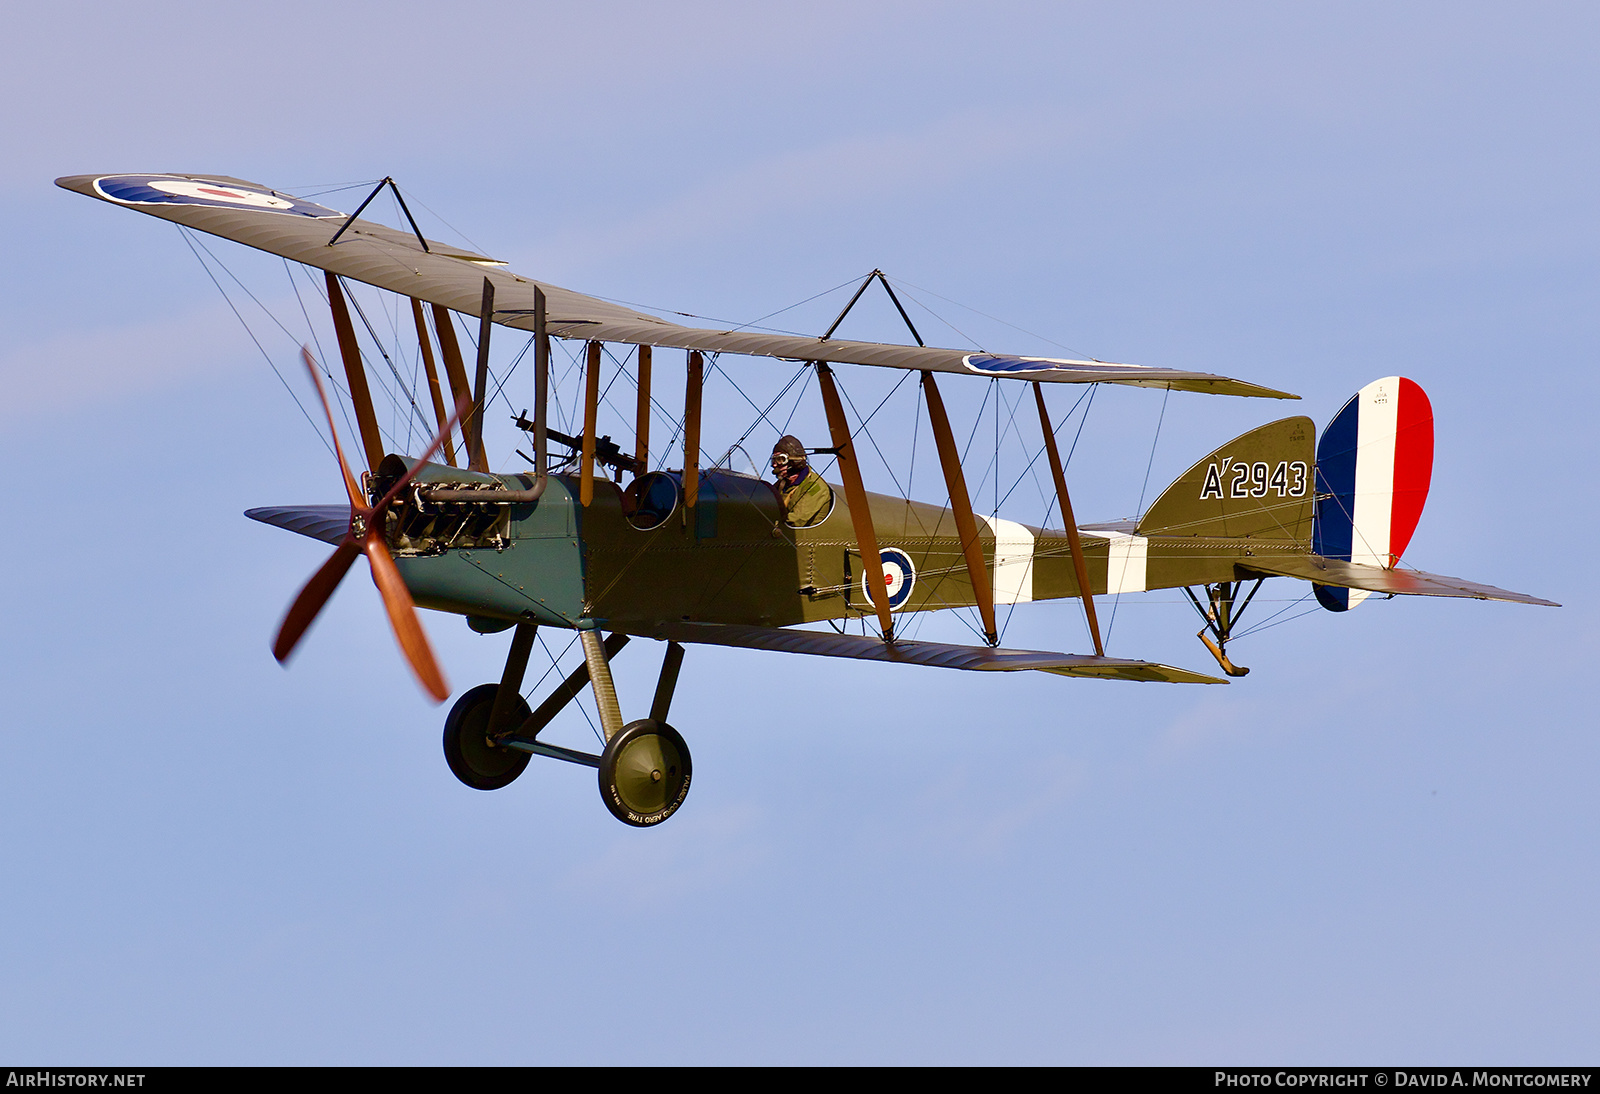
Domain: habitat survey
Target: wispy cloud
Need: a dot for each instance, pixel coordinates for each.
(95, 365)
(802, 180)
(1210, 725)
(689, 855)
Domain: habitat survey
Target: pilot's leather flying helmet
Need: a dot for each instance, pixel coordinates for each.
(787, 451)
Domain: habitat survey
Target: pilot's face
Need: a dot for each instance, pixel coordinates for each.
(786, 470)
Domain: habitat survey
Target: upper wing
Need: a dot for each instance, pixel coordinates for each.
(934, 654)
(1376, 579)
(280, 224)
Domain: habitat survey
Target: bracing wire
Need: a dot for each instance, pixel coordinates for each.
(267, 356)
(1116, 601)
(761, 412)
(395, 372)
(1153, 442)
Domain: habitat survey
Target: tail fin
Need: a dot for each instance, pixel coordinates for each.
(1258, 485)
(1374, 466)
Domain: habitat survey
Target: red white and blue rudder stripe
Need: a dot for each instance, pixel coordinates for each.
(1374, 465)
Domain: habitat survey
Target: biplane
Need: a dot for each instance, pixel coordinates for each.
(696, 554)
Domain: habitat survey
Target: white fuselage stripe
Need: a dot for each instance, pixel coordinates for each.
(1013, 561)
(1125, 561)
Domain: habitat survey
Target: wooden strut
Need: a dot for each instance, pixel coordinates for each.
(473, 426)
(1074, 542)
(432, 369)
(450, 349)
(961, 507)
(641, 428)
(856, 497)
(355, 374)
(691, 429)
(591, 412)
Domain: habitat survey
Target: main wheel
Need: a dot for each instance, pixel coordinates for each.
(467, 750)
(644, 773)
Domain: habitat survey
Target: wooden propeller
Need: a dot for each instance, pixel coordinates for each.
(365, 537)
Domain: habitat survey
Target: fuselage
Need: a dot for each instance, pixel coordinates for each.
(645, 556)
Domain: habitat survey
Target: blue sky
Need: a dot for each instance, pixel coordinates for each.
(1378, 846)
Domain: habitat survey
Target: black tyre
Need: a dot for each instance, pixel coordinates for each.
(467, 750)
(644, 773)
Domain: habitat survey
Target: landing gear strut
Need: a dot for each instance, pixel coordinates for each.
(644, 769)
(1220, 618)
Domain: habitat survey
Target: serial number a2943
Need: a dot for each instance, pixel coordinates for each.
(1253, 480)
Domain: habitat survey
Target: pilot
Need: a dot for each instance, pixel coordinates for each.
(806, 498)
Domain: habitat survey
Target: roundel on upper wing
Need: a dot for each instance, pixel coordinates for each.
(178, 190)
(899, 578)
(997, 364)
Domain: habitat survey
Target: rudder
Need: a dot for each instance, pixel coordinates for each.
(1374, 466)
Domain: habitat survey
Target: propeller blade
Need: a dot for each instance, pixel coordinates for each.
(405, 480)
(403, 617)
(357, 501)
(313, 597)
(385, 575)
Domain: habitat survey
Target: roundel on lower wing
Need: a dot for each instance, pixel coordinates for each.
(177, 190)
(899, 578)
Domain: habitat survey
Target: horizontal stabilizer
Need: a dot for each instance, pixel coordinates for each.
(1376, 579)
(936, 654)
(329, 523)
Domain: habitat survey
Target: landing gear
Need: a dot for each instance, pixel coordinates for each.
(644, 768)
(644, 773)
(473, 759)
(1220, 617)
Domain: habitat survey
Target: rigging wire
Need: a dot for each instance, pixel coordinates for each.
(447, 224)
(1153, 442)
(194, 241)
(805, 385)
(410, 397)
(270, 363)
(321, 358)
(753, 323)
(761, 413)
(728, 325)
(861, 426)
(310, 326)
(554, 667)
(993, 318)
(1033, 462)
(963, 334)
(1139, 512)
(327, 371)
(1268, 623)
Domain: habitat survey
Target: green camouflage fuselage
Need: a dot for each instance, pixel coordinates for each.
(732, 559)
